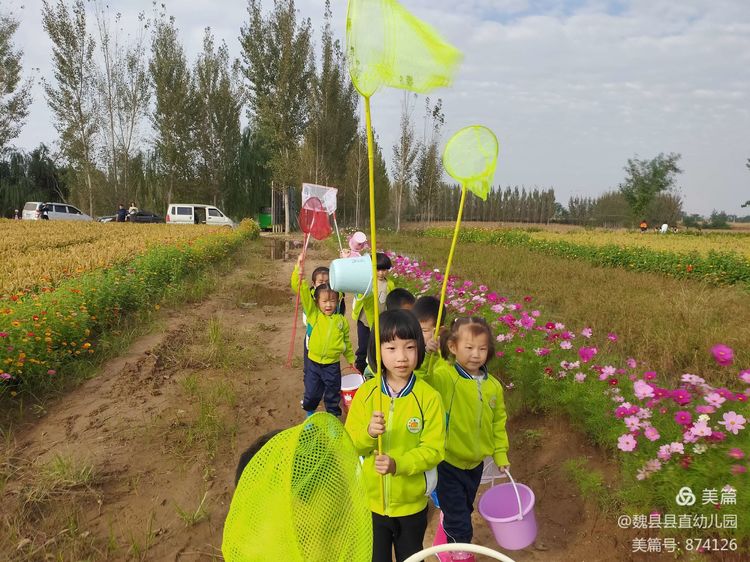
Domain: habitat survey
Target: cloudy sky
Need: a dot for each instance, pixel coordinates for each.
(572, 88)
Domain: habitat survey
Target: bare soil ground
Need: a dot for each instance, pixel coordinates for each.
(138, 462)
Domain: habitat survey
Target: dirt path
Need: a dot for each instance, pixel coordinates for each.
(138, 463)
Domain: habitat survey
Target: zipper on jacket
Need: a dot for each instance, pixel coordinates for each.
(387, 447)
(479, 417)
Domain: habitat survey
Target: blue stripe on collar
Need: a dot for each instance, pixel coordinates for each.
(462, 372)
(404, 391)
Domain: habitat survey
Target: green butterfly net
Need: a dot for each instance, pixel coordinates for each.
(389, 46)
(471, 158)
(301, 499)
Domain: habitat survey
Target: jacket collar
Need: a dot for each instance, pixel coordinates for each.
(404, 391)
(462, 372)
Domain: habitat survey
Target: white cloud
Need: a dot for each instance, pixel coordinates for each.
(573, 89)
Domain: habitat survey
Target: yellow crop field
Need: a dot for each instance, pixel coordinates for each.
(38, 254)
(669, 242)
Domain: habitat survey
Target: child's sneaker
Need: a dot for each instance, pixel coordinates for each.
(463, 557)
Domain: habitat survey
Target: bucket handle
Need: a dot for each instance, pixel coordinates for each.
(515, 489)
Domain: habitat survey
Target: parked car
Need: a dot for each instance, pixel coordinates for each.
(108, 218)
(144, 216)
(35, 210)
(189, 213)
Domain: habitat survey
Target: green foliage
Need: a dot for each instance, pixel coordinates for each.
(716, 268)
(29, 177)
(718, 220)
(174, 109)
(644, 179)
(15, 97)
(277, 56)
(218, 103)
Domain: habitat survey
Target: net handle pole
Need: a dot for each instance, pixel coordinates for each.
(375, 288)
(288, 363)
(336, 224)
(444, 288)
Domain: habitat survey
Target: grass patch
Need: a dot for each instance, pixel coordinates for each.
(193, 517)
(592, 485)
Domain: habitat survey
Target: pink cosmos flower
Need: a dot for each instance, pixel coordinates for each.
(677, 448)
(541, 351)
(653, 465)
(536, 313)
(587, 353)
(688, 437)
(738, 469)
(626, 442)
(632, 363)
(587, 332)
(692, 379)
(519, 350)
(703, 409)
(664, 453)
(5, 376)
(736, 453)
(723, 354)
(649, 375)
(565, 344)
(608, 370)
(651, 433)
(733, 422)
(681, 396)
(51, 372)
(612, 337)
(642, 390)
(701, 429)
(3, 334)
(715, 399)
(745, 375)
(632, 423)
(580, 377)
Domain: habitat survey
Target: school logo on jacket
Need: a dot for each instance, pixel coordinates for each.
(493, 401)
(414, 425)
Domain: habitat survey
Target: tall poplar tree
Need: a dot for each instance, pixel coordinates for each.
(218, 102)
(71, 96)
(173, 113)
(15, 95)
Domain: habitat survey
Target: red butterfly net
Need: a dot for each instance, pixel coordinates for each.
(313, 219)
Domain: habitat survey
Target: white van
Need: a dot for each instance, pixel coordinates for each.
(34, 210)
(189, 213)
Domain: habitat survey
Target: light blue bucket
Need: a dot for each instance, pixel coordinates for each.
(351, 275)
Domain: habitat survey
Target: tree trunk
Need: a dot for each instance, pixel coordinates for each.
(286, 210)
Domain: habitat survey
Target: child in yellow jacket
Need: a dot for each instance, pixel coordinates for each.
(475, 422)
(329, 339)
(413, 439)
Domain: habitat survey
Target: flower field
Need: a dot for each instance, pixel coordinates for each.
(41, 331)
(718, 259)
(665, 436)
(40, 254)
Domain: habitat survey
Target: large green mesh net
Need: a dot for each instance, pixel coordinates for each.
(301, 499)
(471, 158)
(389, 46)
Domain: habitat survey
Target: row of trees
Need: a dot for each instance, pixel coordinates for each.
(137, 121)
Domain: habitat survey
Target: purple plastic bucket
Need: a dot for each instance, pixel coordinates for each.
(499, 506)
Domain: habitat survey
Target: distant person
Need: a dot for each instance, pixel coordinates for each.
(132, 211)
(643, 226)
(16, 215)
(122, 213)
(45, 212)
